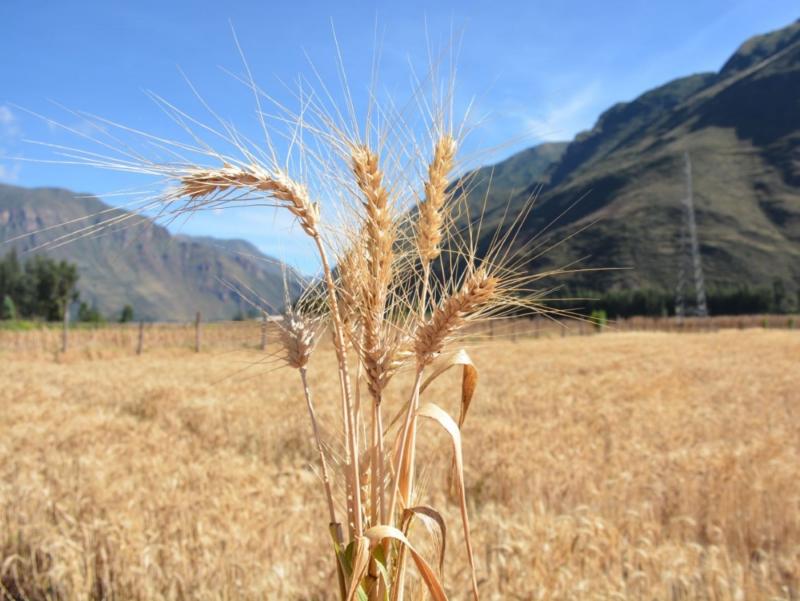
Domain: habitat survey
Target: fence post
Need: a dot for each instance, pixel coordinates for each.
(140, 340)
(263, 330)
(197, 319)
(65, 331)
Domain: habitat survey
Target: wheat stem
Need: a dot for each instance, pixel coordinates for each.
(403, 438)
(326, 481)
(344, 380)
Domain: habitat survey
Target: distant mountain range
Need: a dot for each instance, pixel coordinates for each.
(741, 127)
(164, 277)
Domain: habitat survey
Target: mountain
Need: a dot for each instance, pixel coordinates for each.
(164, 277)
(625, 178)
(518, 171)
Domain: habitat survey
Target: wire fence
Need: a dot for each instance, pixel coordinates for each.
(543, 327)
(142, 337)
(196, 335)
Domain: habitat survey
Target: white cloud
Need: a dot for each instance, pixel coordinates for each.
(9, 132)
(6, 116)
(9, 125)
(565, 118)
(10, 173)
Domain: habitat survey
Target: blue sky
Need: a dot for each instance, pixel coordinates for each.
(536, 70)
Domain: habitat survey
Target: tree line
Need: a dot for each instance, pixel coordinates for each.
(733, 300)
(41, 288)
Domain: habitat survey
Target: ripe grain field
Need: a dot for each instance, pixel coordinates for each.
(620, 466)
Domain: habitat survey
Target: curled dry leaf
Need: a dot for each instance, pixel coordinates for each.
(469, 383)
(432, 582)
(437, 414)
(432, 520)
(469, 380)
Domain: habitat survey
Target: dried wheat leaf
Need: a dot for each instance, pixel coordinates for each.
(429, 517)
(469, 380)
(379, 533)
(436, 413)
(360, 563)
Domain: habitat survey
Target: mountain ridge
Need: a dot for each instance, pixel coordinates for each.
(163, 276)
(741, 127)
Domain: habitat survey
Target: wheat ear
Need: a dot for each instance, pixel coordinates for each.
(352, 273)
(431, 338)
(379, 234)
(429, 225)
(197, 183)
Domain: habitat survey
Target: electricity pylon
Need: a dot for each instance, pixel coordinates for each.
(690, 264)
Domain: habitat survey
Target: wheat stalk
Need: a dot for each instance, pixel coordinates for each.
(379, 238)
(298, 337)
(477, 292)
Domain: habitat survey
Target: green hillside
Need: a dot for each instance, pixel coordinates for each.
(741, 127)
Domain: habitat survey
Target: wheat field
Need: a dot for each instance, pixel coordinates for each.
(619, 466)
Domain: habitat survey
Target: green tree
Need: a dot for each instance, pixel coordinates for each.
(10, 283)
(89, 314)
(599, 319)
(8, 310)
(40, 288)
(126, 315)
(50, 287)
(780, 299)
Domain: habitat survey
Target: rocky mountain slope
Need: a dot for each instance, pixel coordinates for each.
(164, 277)
(741, 128)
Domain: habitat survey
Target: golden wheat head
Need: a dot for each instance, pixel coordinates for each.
(429, 227)
(199, 183)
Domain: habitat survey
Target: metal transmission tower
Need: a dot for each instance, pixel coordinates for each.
(690, 264)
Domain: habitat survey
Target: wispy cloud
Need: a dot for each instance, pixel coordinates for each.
(563, 118)
(9, 124)
(10, 172)
(10, 132)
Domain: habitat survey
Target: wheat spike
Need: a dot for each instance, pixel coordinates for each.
(379, 226)
(198, 183)
(429, 227)
(298, 337)
(475, 294)
(379, 233)
(352, 273)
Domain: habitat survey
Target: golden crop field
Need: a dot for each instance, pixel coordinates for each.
(620, 466)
